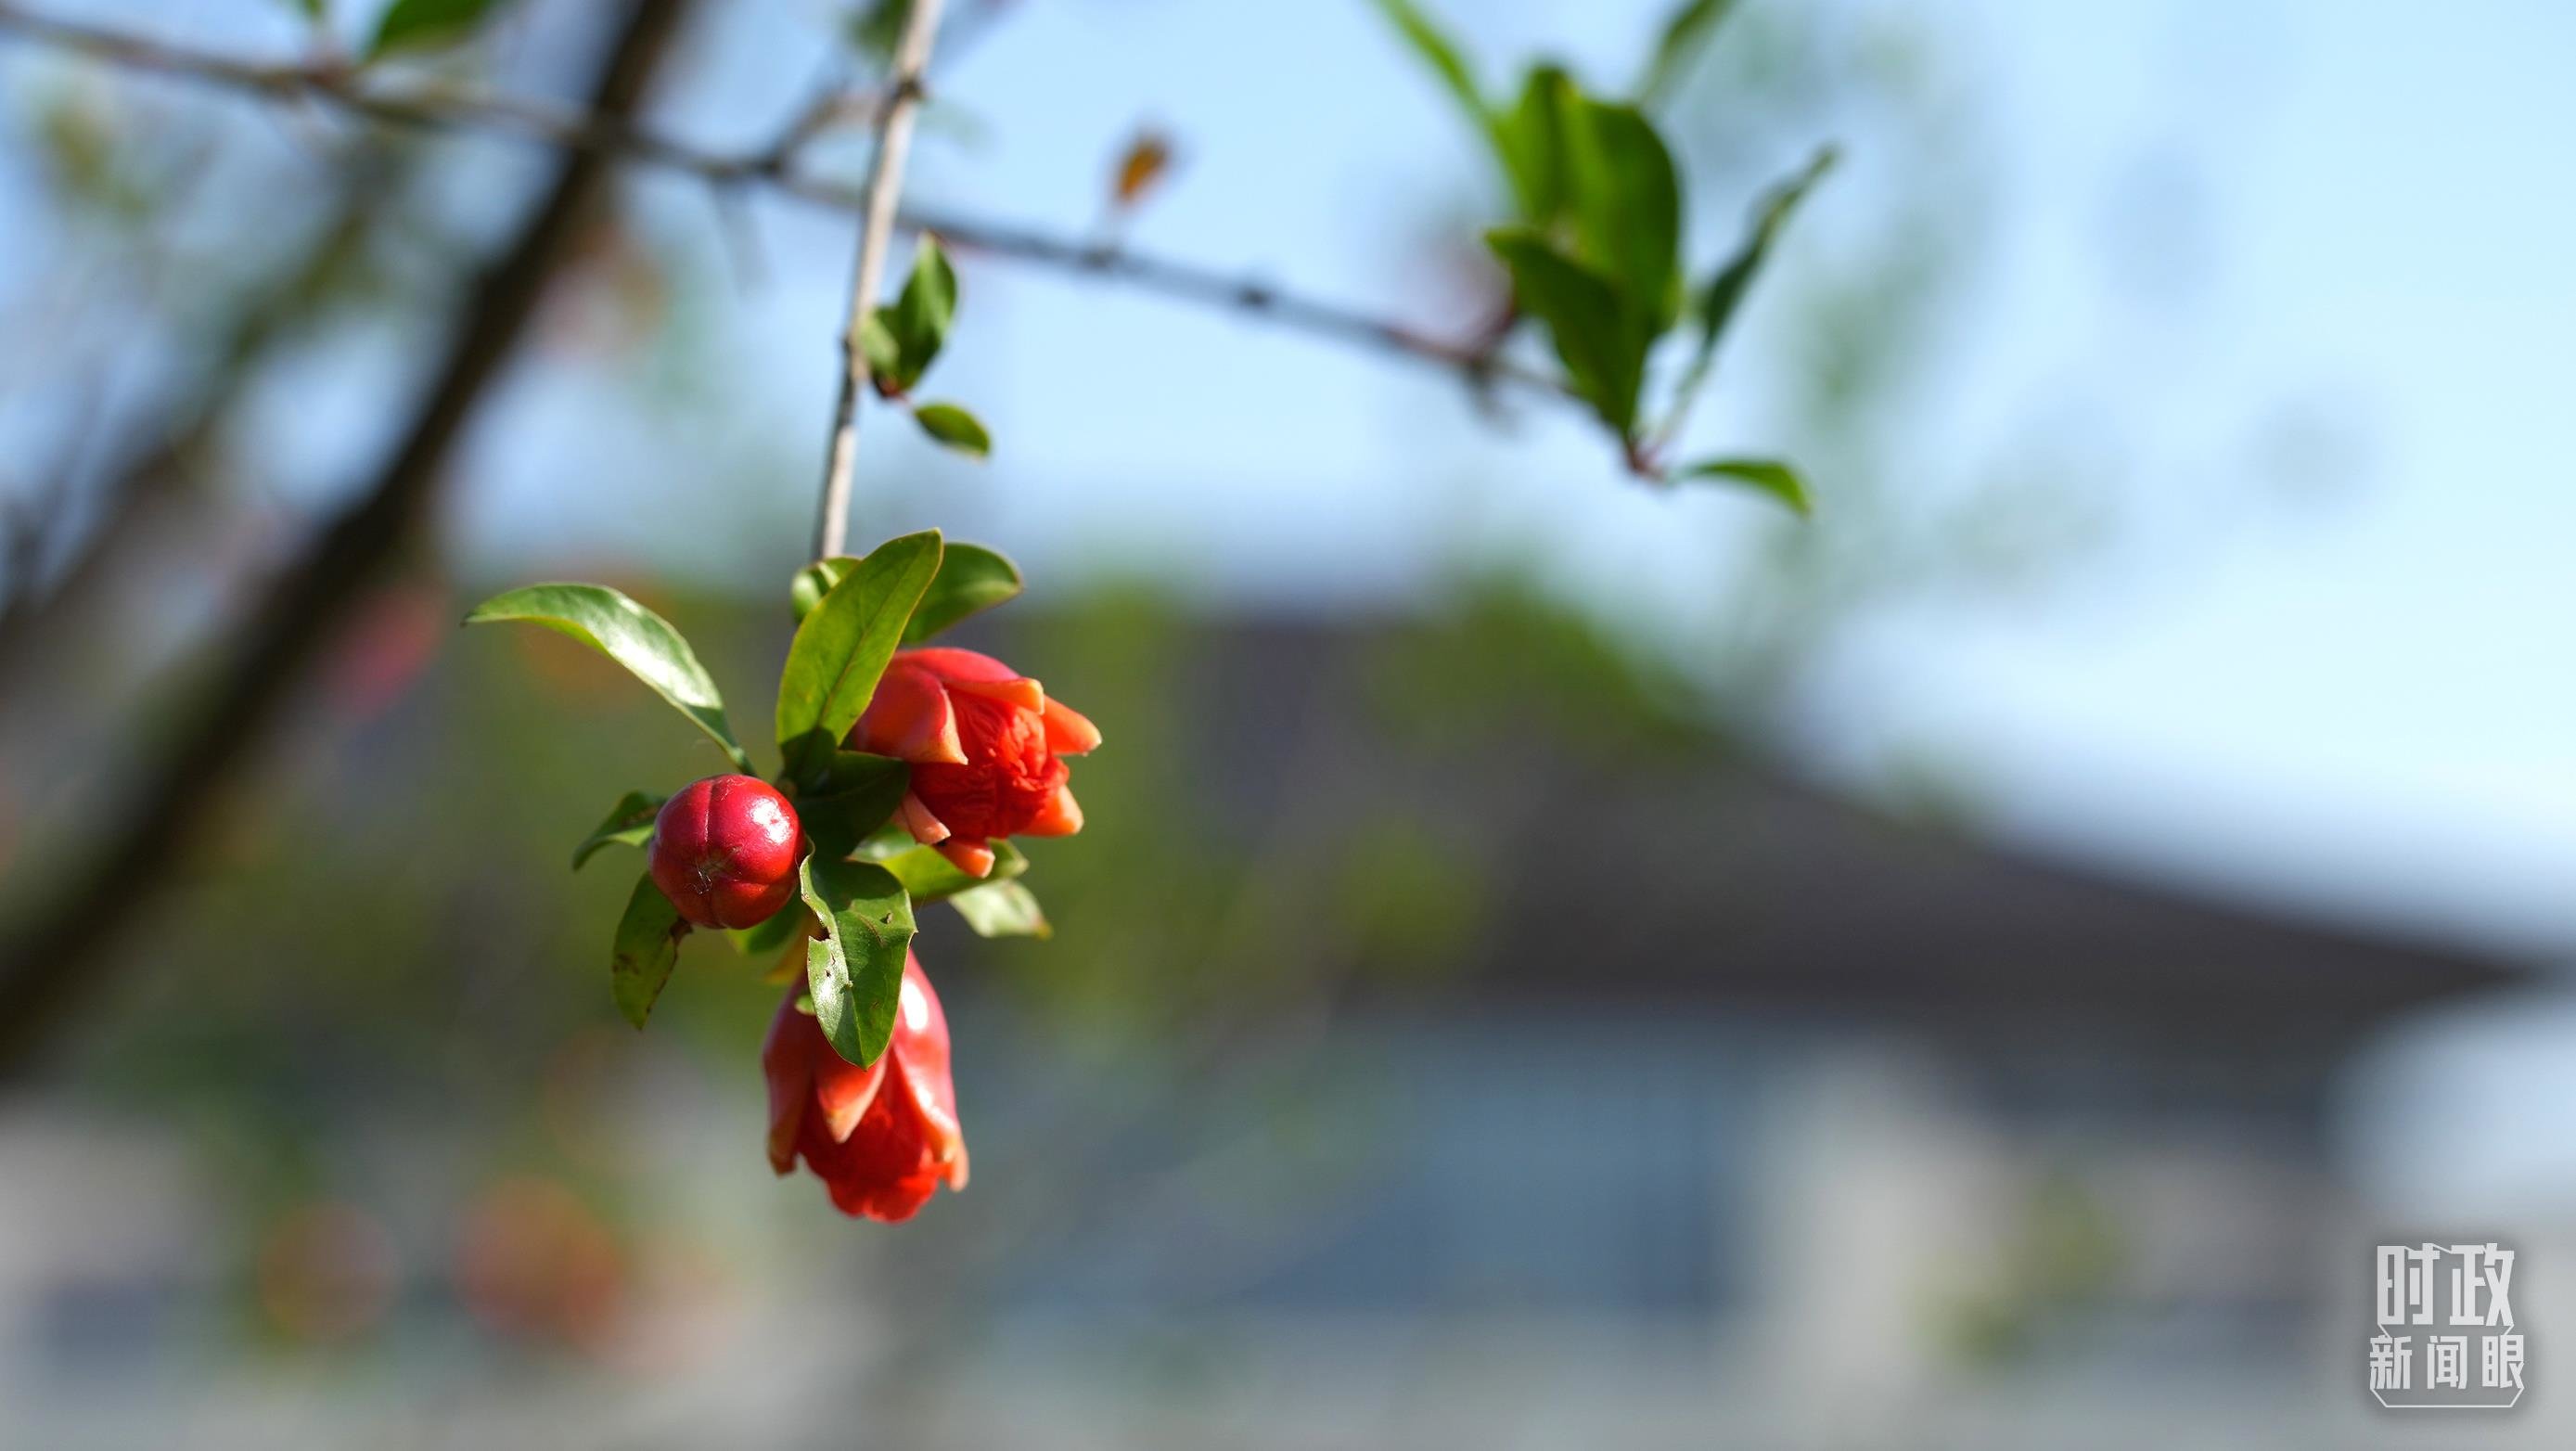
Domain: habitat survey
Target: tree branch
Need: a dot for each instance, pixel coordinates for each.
(47, 964)
(876, 231)
(336, 84)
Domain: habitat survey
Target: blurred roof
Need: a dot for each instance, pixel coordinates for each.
(1648, 871)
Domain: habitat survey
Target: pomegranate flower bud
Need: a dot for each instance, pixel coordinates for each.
(724, 851)
(986, 746)
(881, 1138)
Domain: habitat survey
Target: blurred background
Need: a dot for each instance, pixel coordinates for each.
(1551, 959)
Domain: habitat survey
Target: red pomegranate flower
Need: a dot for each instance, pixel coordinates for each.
(985, 745)
(882, 1137)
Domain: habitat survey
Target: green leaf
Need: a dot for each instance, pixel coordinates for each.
(857, 795)
(1763, 475)
(629, 634)
(1437, 52)
(1725, 291)
(1689, 29)
(628, 823)
(927, 876)
(878, 347)
(816, 580)
(917, 321)
(1627, 208)
(842, 647)
(772, 933)
(422, 24)
(648, 943)
(971, 579)
(1602, 345)
(1531, 138)
(1002, 909)
(955, 427)
(855, 970)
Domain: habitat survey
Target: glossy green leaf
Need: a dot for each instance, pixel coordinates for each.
(1762, 475)
(1686, 33)
(1598, 339)
(1002, 909)
(629, 634)
(1627, 208)
(424, 24)
(971, 579)
(954, 427)
(857, 795)
(842, 647)
(628, 823)
(647, 945)
(928, 876)
(855, 969)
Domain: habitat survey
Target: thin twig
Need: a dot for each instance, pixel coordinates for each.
(876, 233)
(336, 84)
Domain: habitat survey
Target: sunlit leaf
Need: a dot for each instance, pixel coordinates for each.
(971, 579)
(928, 876)
(1002, 909)
(855, 969)
(955, 427)
(647, 944)
(1762, 475)
(1598, 338)
(842, 647)
(629, 634)
(628, 823)
(424, 24)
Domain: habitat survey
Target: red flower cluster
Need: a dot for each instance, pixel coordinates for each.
(883, 1137)
(986, 747)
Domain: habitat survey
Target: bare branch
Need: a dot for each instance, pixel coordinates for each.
(54, 957)
(337, 85)
(876, 231)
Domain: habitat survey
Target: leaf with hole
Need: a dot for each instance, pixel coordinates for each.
(842, 646)
(646, 947)
(628, 823)
(629, 634)
(855, 969)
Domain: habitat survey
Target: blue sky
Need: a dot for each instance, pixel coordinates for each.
(2205, 218)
